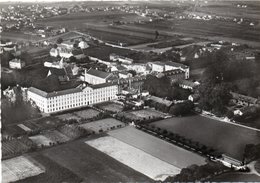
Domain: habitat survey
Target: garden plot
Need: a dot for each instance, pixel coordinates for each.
(40, 140)
(25, 128)
(68, 116)
(135, 158)
(19, 168)
(84, 114)
(56, 136)
(112, 107)
(87, 114)
(102, 125)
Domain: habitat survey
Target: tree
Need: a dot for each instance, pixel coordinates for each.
(59, 40)
(214, 97)
(73, 59)
(181, 108)
(132, 72)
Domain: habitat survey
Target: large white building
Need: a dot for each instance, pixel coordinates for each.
(93, 76)
(125, 60)
(168, 66)
(16, 64)
(72, 98)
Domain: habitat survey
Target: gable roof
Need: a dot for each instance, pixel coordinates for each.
(58, 72)
(98, 73)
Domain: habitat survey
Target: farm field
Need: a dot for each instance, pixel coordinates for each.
(156, 147)
(90, 164)
(111, 106)
(53, 172)
(226, 138)
(20, 168)
(212, 30)
(102, 52)
(103, 124)
(135, 158)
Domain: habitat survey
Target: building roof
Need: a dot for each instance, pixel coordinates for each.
(158, 63)
(64, 92)
(243, 97)
(38, 92)
(102, 85)
(98, 73)
(188, 83)
(58, 72)
(161, 100)
(120, 67)
(54, 93)
(175, 64)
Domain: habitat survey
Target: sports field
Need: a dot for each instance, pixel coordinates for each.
(135, 158)
(156, 147)
(19, 168)
(224, 137)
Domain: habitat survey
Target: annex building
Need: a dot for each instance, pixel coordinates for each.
(72, 98)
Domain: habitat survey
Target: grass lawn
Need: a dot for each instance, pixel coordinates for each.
(91, 164)
(226, 138)
(156, 147)
(236, 177)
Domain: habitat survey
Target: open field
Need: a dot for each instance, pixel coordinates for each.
(18, 36)
(134, 158)
(91, 164)
(19, 168)
(53, 172)
(236, 177)
(111, 106)
(226, 138)
(212, 30)
(102, 125)
(156, 147)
